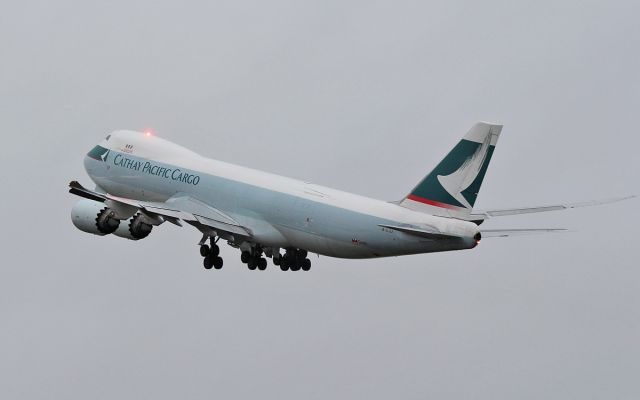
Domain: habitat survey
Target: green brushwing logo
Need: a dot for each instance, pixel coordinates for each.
(104, 156)
(457, 178)
(457, 183)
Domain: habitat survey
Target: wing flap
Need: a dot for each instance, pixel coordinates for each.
(235, 229)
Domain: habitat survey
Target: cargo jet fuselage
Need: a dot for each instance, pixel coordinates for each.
(277, 212)
(143, 181)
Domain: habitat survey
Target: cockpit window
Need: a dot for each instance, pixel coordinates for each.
(98, 153)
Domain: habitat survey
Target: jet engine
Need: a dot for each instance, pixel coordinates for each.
(93, 217)
(138, 227)
(96, 218)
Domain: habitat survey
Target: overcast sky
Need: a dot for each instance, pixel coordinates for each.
(361, 96)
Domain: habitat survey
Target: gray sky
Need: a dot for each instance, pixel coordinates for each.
(361, 96)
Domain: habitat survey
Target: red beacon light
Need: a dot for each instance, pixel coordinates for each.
(147, 133)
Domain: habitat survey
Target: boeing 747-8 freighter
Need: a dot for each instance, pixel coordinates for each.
(143, 181)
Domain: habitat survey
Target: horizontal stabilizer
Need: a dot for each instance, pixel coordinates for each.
(489, 233)
(422, 232)
(480, 215)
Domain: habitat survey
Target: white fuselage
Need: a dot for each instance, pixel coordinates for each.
(282, 212)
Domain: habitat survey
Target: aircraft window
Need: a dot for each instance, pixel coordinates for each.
(97, 152)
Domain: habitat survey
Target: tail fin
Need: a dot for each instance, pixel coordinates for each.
(451, 189)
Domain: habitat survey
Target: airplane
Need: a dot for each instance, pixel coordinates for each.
(143, 181)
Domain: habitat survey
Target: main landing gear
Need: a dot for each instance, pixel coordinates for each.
(293, 260)
(211, 255)
(254, 259)
(254, 256)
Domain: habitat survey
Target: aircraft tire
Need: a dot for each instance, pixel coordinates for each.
(252, 265)
(207, 262)
(204, 250)
(295, 267)
(218, 262)
(284, 267)
(306, 264)
(215, 250)
(262, 263)
(245, 257)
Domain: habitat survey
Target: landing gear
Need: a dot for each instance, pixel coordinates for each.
(254, 259)
(259, 263)
(207, 262)
(204, 250)
(211, 255)
(294, 260)
(213, 261)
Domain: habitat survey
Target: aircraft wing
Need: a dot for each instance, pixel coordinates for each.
(480, 215)
(179, 207)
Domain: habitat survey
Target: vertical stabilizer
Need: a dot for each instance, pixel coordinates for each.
(452, 187)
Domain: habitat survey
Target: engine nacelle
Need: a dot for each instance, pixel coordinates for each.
(136, 228)
(93, 217)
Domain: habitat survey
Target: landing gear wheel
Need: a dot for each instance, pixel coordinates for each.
(245, 257)
(204, 250)
(306, 264)
(262, 264)
(207, 262)
(215, 250)
(284, 267)
(287, 260)
(218, 262)
(295, 267)
(277, 260)
(252, 265)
